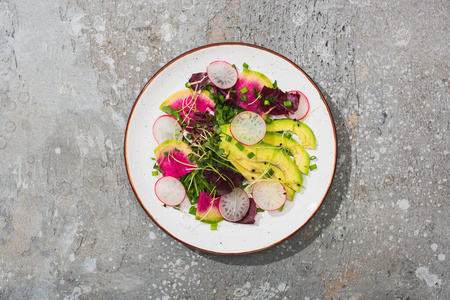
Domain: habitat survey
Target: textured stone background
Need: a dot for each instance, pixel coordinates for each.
(70, 225)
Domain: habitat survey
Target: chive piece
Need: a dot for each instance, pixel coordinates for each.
(281, 208)
(269, 120)
(228, 138)
(152, 158)
(243, 90)
(251, 155)
(245, 66)
(214, 226)
(234, 66)
(312, 157)
(166, 154)
(193, 210)
(259, 210)
(233, 91)
(155, 173)
(275, 84)
(176, 207)
(187, 85)
(244, 98)
(240, 146)
(288, 135)
(287, 103)
(266, 102)
(271, 172)
(313, 167)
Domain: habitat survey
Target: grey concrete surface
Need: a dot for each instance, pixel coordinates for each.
(70, 225)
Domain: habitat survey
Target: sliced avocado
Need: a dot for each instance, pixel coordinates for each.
(302, 130)
(252, 176)
(270, 154)
(301, 157)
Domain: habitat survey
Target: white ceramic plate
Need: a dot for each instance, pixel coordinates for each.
(230, 238)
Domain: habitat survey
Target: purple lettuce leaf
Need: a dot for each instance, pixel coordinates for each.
(251, 214)
(198, 81)
(276, 99)
(225, 183)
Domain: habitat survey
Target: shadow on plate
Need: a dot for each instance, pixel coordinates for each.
(322, 218)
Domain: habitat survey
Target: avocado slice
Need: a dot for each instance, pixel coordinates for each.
(252, 176)
(302, 130)
(301, 157)
(267, 153)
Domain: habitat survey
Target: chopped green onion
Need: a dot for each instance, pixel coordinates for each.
(245, 65)
(251, 155)
(266, 102)
(240, 146)
(287, 103)
(228, 138)
(177, 207)
(271, 172)
(313, 167)
(155, 173)
(312, 157)
(244, 98)
(275, 84)
(234, 66)
(214, 226)
(152, 158)
(259, 210)
(288, 135)
(193, 210)
(269, 120)
(243, 90)
(166, 154)
(187, 85)
(281, 208)
(233, 91)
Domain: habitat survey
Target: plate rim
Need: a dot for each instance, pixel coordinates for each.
(218, 45)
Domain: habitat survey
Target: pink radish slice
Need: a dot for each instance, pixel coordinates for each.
(269, 194)
(234, 206)
(167, 128)
(248, 128)
(222, 74)
(303, 107)
(170, 191)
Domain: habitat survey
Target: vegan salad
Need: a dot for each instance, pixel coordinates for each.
(232, 144)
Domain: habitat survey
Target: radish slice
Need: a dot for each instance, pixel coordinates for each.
(170, 191)
(222, 74)
(248, 128)
(234, 206)
(269, 194)
(167, 128)
(303, 107)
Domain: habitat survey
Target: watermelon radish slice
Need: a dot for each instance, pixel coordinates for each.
(172, 158)
(167, 128)
(269, 194)
(249, 84)
(234, 206)
(170, 191)
(222, 74)
(248, 128)
(303, 107)
(208, 209)
(187, 103)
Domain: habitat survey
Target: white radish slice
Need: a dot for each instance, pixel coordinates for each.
(167, 128)
(234, 206)
(303, 107)
(269, 194)
(170, 191)
(248, 128)
(222, 74)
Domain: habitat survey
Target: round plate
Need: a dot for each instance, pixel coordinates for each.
(230, 238)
